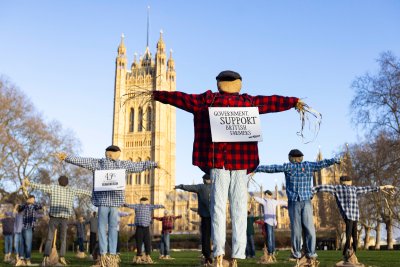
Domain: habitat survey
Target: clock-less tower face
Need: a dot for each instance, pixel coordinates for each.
(144, 129)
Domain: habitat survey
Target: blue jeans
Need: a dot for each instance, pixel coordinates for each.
(27, 234)
(19, 244)
(250, 247)
(269, 230)
(164, 244)
(227, 184)
(301, 214)
(108, 216)
(80, 243)
(8, 240)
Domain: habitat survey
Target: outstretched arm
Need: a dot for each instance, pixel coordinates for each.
(274, 103)
(81, 192)
(87, 163)
(259, 200)
(154, 207)
(366, 189)
(131, 166)
(270, 168)
(324, 188)
(316, 166)
(187, 102)
(191, 188)
(158, 218)
(43, 187)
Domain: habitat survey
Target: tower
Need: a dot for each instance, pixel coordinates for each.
(142, 128)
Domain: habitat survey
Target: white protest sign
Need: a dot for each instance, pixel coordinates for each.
(235, 124)
(109, 180)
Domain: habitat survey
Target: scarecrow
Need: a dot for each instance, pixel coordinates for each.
(227, 162)
(108, 199)
(346, 197)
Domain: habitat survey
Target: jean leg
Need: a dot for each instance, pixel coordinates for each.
(270, 238)
(113, 230)
(17, 239)
(103, 213)
(308, 223)
(252, 246)
(53, 222)
(166, 243)
(139, 240)
(219, 195)
(295, 227)
(238, 209)
(28, 242)
(63, 236)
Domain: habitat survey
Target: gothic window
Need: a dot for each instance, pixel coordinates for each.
(149, 120)
(138, 174)
(140, 120)
(132, 120)
(147, 174)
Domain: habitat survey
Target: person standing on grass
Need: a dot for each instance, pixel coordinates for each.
(167, 227)
(269, 206)
(8, 232)
(109, 198)
(93, 232)
(250, 247)
(346, 198)
(62, 198)
(143, 216)
(29, 210)
(18, 239)
(299, 175)
(203, 192)
(80, 236)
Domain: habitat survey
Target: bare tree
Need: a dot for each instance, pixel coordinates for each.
(376, 105)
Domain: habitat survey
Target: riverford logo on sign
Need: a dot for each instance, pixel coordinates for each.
(109, 180)
(235, 124)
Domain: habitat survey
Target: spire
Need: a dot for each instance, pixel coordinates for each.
(121, 47)
(319, 154)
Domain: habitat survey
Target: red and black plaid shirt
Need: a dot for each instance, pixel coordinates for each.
(229, 155)
(167, 223)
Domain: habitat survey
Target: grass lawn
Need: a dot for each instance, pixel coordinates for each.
(191, 258)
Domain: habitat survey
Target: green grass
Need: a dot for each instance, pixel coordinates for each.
(191, 258)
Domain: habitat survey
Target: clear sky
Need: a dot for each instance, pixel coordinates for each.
(62, 55)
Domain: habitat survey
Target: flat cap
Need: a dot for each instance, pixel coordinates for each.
(295, 153)
(144, 199)
(345, 178)
(113, 148)
(228, 75)
(268, 192)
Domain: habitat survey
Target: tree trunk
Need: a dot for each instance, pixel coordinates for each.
(389, 233)
(358, 239)
(366, 238)
(378, 237)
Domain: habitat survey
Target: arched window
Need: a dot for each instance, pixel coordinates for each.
(138, 174)
(132, 120)
(140, 120)
(147, 174)
(149, 119)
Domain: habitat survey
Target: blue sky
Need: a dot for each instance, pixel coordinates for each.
(62, 54)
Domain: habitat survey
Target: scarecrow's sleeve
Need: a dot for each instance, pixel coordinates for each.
(274, 103)
(316, 166)
(177, 217)
(158, 218)
(328, 188)
(131, 166)
(42, 187)
(87, 163)
(132, 206)
(282, 202)
(270, 168)
(259, 200)
(153, 207)
(366, 189)
(190, 188)
(82, 192)
(187, 102)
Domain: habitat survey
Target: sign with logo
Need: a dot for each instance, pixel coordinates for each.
(109, 180)
(235, 124)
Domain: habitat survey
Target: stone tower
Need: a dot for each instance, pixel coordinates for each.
(142, 128)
